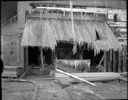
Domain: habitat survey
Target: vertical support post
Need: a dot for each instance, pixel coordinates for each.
(17, 45)
(124, 59)
(108, 61)
(21, 54)
(41, 50)
(54, 57)
(41, 55)
(113, 61)
(105, 61)
(27, 57)
(72, 20)
(73, 32)
(110, 65)
(116, 61)
(82, 53)
(1, 50)
(119, 62)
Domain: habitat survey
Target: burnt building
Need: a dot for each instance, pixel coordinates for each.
(44, 31)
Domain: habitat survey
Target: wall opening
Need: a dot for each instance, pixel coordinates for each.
(48, 56)
(38, 66)
(34, 56)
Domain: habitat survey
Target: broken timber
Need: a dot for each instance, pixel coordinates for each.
(81, 79)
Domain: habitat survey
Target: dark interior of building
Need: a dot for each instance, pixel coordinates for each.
(34, 56)
(63, 51)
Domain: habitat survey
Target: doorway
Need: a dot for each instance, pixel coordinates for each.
(47, 56)
(33, 60)
(34, 56)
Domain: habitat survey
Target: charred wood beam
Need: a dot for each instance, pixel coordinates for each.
(119, 4)
(92, 17)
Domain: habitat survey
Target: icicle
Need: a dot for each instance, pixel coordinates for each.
(81, 15)
(72, 21)
(64, 14)
(96, 52)
(88, 46)
(74, 48)
(84, 16)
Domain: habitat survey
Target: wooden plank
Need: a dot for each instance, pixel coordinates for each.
(21, 55)
(12, 71)
(123, 79)
(27, 57)
(91, 75)
(11, 68)
(67, 17)
(41, 55)
(72, 18)
(117, 26)
(9, 74)
(108, 61)
(17, 45)
(111, 51)
(87, 10)
(75, 77)
(124, 59)
(114, 70)
(87, 76)
(112, 60)
(116, 61)
(92, 79)
(119, 62)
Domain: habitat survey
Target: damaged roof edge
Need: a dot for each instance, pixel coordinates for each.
(45, 33)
